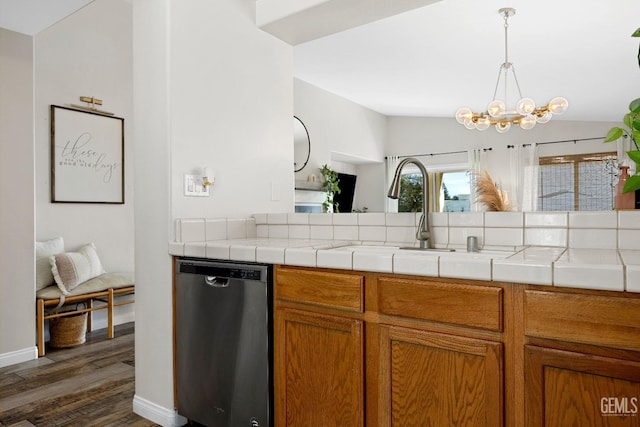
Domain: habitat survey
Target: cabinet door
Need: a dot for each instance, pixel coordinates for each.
(564, 388)
(433, 379)
(319, 370)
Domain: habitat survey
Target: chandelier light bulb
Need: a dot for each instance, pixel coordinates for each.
(502, 127)
(469, 124)
(496, 108)
(463, 114)
(558, 105)
(483, 123)
(525, 106)
(527, 122)
(544, 118)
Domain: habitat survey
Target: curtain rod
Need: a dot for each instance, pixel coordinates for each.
(559, 142)
(440, 154)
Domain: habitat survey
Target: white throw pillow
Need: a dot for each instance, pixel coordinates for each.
(73, 268)
(44, 251)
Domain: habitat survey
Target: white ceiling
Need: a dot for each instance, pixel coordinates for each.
(435, 59)
(430, 61)
(32, 16)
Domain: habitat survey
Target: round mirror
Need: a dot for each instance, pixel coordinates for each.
(301, 145)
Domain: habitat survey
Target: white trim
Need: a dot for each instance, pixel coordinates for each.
(18, 356)
(158, 414)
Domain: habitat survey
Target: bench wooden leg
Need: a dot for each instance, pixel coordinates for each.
(110, 333)
(89, 314)
(40, 326)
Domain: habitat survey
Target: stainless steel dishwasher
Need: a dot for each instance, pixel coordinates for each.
(224, 343)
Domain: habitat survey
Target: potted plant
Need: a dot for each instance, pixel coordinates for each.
(630, 130)
(330, 186)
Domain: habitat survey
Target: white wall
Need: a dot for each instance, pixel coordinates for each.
(88, 53)
(210, 89)
(347, 136)
(17, 267)
(424, 135)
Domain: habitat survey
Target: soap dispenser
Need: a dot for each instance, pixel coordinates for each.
(624, 200)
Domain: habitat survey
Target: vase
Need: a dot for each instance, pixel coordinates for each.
(624, 200)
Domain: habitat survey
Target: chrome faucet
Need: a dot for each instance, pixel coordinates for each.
(422, 234)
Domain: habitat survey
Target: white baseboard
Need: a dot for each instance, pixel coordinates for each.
(18, 356)
(156, 413)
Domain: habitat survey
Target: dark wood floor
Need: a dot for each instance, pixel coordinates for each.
(88, 385)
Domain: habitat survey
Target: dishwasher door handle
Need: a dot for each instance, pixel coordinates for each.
(216, 282)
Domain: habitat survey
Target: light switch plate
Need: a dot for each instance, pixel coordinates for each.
(193, 186)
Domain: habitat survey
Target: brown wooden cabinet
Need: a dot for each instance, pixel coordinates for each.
(319, 375)
(434, 379)
(381, 350)
(565, 388)
(582, 359)
(319, 349)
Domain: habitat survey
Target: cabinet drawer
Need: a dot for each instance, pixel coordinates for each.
(608, 321)
(460, 304)
(336, 290)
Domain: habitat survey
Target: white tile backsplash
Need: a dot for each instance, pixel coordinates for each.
(372, 233)
(192, 230)
(503, 236)
(236, 229)
(373, 218)
(593, 219)
(629, 219)
(593, 238)
(504, 219)
(545, 236)
(345, 232)
(458, 235)
(278, 231)
(401, 234)
(320, 219)
(345, 219)
(299, 232)
(321, 232)
(439, 219)
(546, 219)
(298, 218)
(406, 219)
(277, 218)
(466, 219)
(629, 239)
(608, 230)
(215, 229)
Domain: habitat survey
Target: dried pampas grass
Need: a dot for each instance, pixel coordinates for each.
(489, 194)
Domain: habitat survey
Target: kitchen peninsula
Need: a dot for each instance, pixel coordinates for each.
(529, 334)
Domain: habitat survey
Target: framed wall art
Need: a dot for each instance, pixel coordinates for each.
(87, 157)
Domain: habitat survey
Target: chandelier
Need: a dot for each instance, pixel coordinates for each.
(525, 113)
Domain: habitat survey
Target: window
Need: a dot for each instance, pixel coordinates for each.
(456, 192)
(452, 191)
(584, 182)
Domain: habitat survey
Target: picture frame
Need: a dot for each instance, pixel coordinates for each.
(87, 157)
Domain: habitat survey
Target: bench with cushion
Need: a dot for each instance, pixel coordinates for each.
(79, 278)
(102, 288)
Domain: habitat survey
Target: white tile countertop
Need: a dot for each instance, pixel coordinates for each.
(604, 269)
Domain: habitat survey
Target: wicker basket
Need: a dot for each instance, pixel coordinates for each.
(68, 331)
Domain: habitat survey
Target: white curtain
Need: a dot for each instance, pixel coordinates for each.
(391, 165)
(524, 171)
(477, 160)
